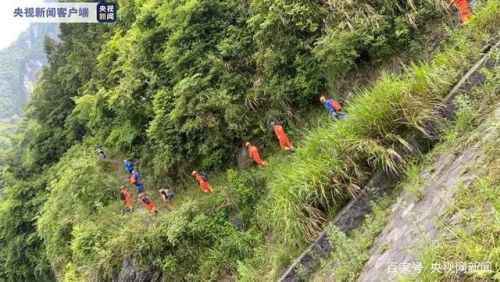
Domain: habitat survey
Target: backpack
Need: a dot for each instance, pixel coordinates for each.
(204, 175)
(132, 179)
(336, 105)
(167, 194)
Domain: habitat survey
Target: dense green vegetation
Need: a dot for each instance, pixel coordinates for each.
(352, 250)
(180, 84)
(6, 130)
(193, 79)
(335, 159)
(44, 140)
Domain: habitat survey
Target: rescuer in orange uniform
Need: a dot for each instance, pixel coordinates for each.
(148, 204)
(254, 154)
(283, 139)
(202, 181)
(126, 198)
(464, 9)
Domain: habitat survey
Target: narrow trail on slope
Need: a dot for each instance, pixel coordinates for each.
(351, 216)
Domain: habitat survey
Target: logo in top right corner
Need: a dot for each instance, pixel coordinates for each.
(106, 12)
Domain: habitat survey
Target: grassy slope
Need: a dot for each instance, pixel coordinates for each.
(312, 118)
(334, 156)
(353, 249)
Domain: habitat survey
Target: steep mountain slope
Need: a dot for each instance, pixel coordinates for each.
(20, 64)
(180, 85)
(414, 223)
(430, 214)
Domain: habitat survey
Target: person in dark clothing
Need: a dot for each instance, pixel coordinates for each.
(100, 152)
(167, 195)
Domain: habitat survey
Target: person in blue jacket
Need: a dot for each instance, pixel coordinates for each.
(140, 188)
(333, 107)
(128, 165)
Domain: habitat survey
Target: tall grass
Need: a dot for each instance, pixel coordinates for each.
(337, 159)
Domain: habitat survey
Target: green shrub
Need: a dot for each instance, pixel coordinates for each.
(79, 190)
(337, 158)
(19, 205)
(370, 31)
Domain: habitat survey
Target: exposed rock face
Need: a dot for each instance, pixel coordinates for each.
(20, 65)
(131, 273)
(349, 218)
(414, 222)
